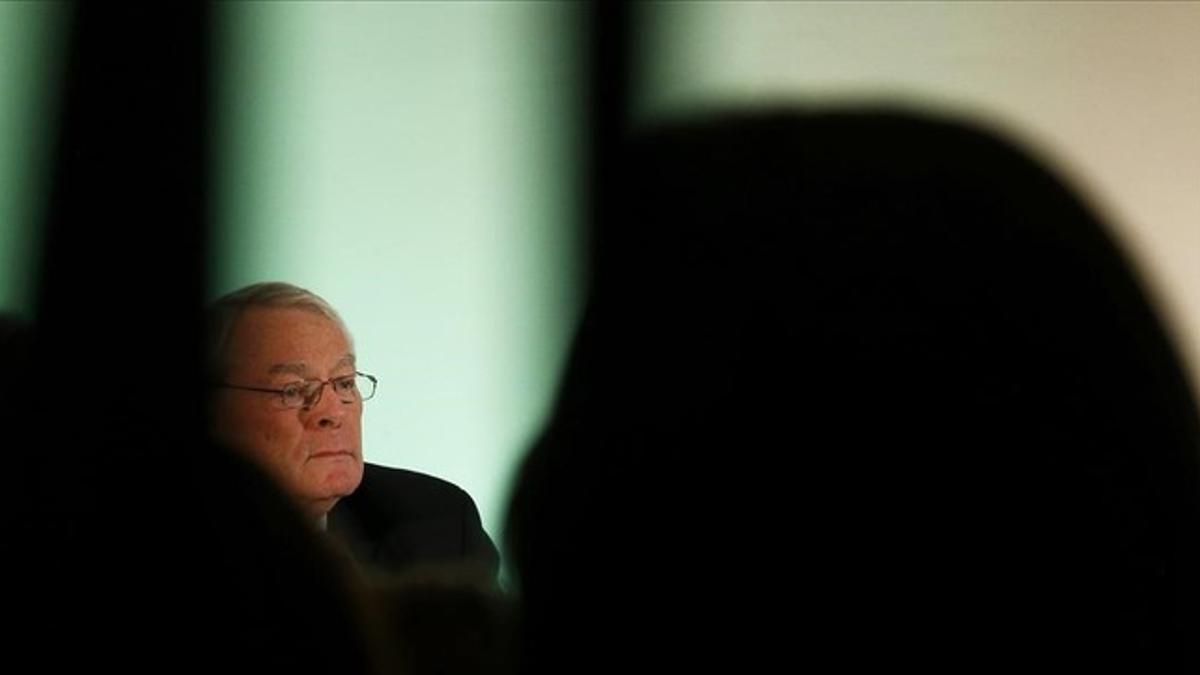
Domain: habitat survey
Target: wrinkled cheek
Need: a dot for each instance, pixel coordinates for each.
(283, 448)
(265, 448)
(356, 431)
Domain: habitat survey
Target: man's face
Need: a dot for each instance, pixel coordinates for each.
(314, 452)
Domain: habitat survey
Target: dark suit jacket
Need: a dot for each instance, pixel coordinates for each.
(398, 518)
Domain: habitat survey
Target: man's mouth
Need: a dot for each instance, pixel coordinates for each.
(331, 453)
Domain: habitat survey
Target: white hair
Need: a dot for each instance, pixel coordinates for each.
(224, 312)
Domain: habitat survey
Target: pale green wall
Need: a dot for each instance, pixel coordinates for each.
(412, 163)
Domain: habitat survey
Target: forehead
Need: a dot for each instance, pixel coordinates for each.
(263, 337)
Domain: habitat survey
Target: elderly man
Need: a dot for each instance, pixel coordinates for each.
(288, 394)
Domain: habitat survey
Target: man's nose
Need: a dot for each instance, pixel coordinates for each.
(327, 411)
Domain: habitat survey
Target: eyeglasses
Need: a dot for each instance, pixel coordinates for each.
(307, 393)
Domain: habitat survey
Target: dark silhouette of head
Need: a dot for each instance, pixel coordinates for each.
(158, 551)
(879, 374)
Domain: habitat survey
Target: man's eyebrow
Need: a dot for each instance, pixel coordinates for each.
(298, 368)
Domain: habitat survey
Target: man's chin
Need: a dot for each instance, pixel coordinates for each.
(334, 486)
(339, 481)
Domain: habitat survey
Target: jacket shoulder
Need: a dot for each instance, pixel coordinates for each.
(397, 518)
(403, 487)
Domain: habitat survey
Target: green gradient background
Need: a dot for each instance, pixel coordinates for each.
(413, 164)
(30, 61)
